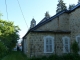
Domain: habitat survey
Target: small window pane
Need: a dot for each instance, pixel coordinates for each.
(47, 48)
(66, 40)
(50, 48)
(50, 41)
(66, 48)
(66, 45)
(46, 41)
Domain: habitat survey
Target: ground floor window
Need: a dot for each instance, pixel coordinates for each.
(78, 41)
(66, 44)
(48, 44)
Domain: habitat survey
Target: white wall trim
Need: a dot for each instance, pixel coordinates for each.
(76, 37)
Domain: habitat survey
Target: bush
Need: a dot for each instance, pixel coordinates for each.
(53, 57)
(15, 56)
(44, 58)
(3, 49)
(75, 47)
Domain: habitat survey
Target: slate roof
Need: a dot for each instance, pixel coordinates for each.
(44, 20)
(54, 31)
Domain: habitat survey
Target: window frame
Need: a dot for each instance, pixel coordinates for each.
(52, 39)
(77, 42)
(63, 38)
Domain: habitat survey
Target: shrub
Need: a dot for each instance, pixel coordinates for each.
(75, 47)
(3, 49)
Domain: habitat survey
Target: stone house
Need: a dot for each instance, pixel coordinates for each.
(53, 35)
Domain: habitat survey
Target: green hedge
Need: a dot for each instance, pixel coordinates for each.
(56, 57)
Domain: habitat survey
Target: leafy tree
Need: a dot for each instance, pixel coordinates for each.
(8, 33)
(1, 15)
(71, 6)
(60, 6)
(75, 47)
(8, 36)
(3, 49)
(78, 1)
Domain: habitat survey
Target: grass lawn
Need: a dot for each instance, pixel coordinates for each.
(21, 56)
(15, 56)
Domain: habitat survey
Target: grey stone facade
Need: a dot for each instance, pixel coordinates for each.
(66, 24)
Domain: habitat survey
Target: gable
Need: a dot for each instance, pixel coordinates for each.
(59, 23)
(53, 24)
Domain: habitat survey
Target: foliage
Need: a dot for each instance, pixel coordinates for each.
(75, 47)
(53, 57)
(1, 15)
(78, 1)
(8, 33)
(21, 56)
(8, 36)
(60, 6)
(3, 49)
(15, 56)
(56, 57)
(71, 6)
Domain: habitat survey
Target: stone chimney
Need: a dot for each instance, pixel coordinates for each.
(33, 23)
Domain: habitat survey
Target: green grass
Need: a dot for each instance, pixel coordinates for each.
(15, 56)
(21, 56)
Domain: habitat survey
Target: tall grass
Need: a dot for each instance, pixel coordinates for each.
(21, 56)
(15, 56)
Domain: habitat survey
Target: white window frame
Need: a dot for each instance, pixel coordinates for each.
(64, 50)
(77, 42)
(52, 39)
(25, 45)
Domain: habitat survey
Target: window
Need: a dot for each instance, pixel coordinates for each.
(66, 44)
(78, 41)
(48, 44)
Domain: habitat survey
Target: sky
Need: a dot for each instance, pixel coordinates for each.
(31, 9)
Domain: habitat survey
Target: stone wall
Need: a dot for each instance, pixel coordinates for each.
(59, 23)
(36, 44)
(74, 21)
(64, 22)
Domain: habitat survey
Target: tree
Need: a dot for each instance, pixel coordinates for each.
(8, 33)
(3, 49)
(1, 15)
(75, 47)
(71, 6)
(60, 6)
(8, 36)
(78, 1)
(47, 15)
